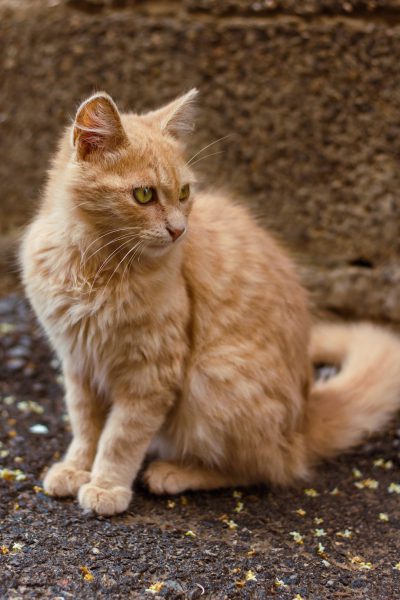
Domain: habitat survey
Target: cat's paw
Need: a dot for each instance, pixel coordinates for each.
(163, 477)
(63, 480)
(104, 501)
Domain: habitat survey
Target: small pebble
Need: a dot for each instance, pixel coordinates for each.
(39, 429)
(15, 364)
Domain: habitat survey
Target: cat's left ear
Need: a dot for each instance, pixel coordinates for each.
(97, 130)
(177, 117)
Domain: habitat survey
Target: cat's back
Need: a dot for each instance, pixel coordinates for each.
(227, 247)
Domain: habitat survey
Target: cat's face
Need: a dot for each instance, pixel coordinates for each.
(130, 176)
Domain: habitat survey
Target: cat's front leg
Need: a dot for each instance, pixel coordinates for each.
(87, 416)
(130, 427)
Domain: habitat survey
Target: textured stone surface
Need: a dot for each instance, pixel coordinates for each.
(312, 106)
(297, 7)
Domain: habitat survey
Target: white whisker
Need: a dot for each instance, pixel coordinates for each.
(208, 146)
(206, 156)
(104, 234)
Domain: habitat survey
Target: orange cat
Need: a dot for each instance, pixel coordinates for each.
(181, 325)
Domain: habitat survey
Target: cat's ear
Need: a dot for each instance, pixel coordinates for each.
(97, 130)
(177, 117)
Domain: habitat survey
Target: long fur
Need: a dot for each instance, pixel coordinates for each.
(363, 397)
(199, 347)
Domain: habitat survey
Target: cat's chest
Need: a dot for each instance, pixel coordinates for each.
(124, 337)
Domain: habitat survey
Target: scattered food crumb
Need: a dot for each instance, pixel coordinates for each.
(383, 464)
(394, 488)
(156, 587)
(297, 537)
(370, 484)
(239, 507)
(230, 524)
(311, 492)
(190, 533)
(12, 475)
(87, 574)
(360, 563)
(279, 583)
(383, 517)
(319, 533)
(347, 534)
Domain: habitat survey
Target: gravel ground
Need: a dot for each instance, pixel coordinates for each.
(339, 540)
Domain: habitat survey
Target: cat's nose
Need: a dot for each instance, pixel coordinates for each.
(175, 232)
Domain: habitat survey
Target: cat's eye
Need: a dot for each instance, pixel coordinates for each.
(184, 193)
(144, 195)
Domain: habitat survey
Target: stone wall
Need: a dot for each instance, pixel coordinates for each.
(309, 91)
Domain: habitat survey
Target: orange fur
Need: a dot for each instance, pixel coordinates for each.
(198, 347)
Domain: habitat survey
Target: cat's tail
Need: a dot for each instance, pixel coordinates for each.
(362, 397)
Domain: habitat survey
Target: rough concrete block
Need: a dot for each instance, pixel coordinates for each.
(312, 106)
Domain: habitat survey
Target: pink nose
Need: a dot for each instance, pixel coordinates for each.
(175, 232)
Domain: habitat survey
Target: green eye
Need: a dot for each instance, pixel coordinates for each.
(144, 195)
(184, 193)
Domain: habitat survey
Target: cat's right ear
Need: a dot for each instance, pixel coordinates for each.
(97, 130)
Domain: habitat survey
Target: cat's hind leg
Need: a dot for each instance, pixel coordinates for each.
(167, 477)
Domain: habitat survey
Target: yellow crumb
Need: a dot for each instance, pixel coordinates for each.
(311, 492)
(357, 473)
(301, 512)
(156, 587)
(360, 563)
(345, 534)
(87, 575)
(335, 492)
(318, 520)
(239, 507)
(4, 550)
(279, 583)
(371, 484)
(250, 576)
(319, 532)
(171, 504)
(394, 488)
(237, 494)
(251, 552)
(183, 500)
(383, 464)
(397, 566)
(383, 517)
(190, 533)
(297, 537)
(230, 524)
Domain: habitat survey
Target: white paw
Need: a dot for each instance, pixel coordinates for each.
(104, 501)
(63, 480)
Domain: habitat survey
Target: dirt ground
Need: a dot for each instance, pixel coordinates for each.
(339, 540)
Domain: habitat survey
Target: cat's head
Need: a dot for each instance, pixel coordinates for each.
(130, 175)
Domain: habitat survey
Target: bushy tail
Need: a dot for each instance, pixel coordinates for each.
(363, 396)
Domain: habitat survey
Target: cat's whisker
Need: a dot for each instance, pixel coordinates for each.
(129, 262)
(108, 259)
(122, 237)
(120, 262)
(206, 156)
(208, 146)
(104, 235)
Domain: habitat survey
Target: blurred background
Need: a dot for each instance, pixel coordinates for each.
(309, 89)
